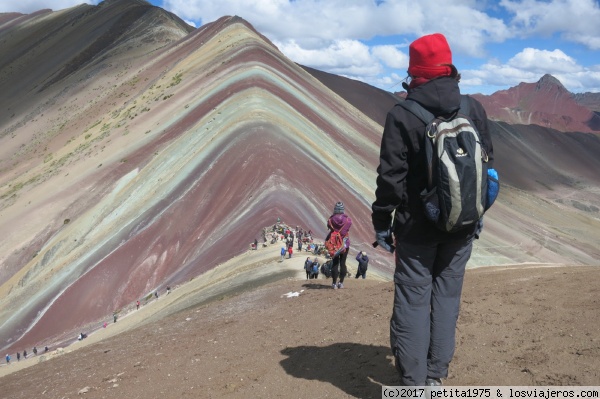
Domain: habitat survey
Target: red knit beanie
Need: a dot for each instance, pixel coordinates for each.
(427, 54)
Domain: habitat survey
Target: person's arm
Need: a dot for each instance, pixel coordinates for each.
(391, 172)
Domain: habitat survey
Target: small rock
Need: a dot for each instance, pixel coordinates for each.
(83, 390)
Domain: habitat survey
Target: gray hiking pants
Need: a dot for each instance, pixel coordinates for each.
(428, 285)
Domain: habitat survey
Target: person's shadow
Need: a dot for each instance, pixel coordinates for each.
(357, 369)
(316, 285)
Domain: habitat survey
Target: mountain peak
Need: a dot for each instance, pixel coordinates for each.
(545, 103)
(549, 81)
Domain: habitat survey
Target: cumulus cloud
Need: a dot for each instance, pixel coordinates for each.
(575, 20)
(391, 56)
(538, 61)
(349, 58)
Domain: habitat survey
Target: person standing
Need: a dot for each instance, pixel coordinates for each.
(282, 253)
(430, 263)
(7, 358)
(308, 267)
(137, 305)
(363, 263)
(339, 221)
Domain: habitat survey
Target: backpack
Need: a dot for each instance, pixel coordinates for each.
(315, 268)
(335, 243)
(457, 194)
(326, 268)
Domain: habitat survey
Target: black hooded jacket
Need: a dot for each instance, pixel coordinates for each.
(402, 171)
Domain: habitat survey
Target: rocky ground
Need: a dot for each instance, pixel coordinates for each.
(265, 331)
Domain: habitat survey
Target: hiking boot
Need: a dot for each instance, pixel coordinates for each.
(334, 286)
(433, 382)
(340, 285)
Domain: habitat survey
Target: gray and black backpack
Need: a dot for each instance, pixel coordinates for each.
(457, 193)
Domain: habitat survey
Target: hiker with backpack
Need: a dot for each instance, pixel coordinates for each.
(433, 238)
(363, 264)
(338, 243)
(314, 269)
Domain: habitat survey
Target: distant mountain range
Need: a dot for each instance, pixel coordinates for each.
(137, 152)
(546, 103)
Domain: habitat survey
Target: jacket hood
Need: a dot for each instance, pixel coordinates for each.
(440, 96)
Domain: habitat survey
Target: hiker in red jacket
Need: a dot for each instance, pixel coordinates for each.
(290, 250)
(339, 221)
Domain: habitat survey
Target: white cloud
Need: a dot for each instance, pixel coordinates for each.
(391, 56)
(539, 61)
(575, 20)
(343, 57)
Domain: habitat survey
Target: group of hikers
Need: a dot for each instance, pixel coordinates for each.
(8, 358)
(334, 265)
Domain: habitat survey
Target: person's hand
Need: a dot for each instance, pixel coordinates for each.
(384, 238)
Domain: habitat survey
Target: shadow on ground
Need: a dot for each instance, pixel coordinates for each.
(326, 284)
(357, 369)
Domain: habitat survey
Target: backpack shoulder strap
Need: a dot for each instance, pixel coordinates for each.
(417, 110)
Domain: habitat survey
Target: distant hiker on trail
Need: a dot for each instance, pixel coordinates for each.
(290, 251)
(7, 358)
(314, 270)
(430, 263)
(114, 317)
(34, 351)
(341, 223)
(282, 254)
(156, 294)
(363, 263)
(24, 354)
(46, 349)
(137, 305)
(308, 267)
(168, 289)
(18, 356)
(255, 243)
(299, 245)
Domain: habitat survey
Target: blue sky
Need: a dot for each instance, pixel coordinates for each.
(495, 44)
